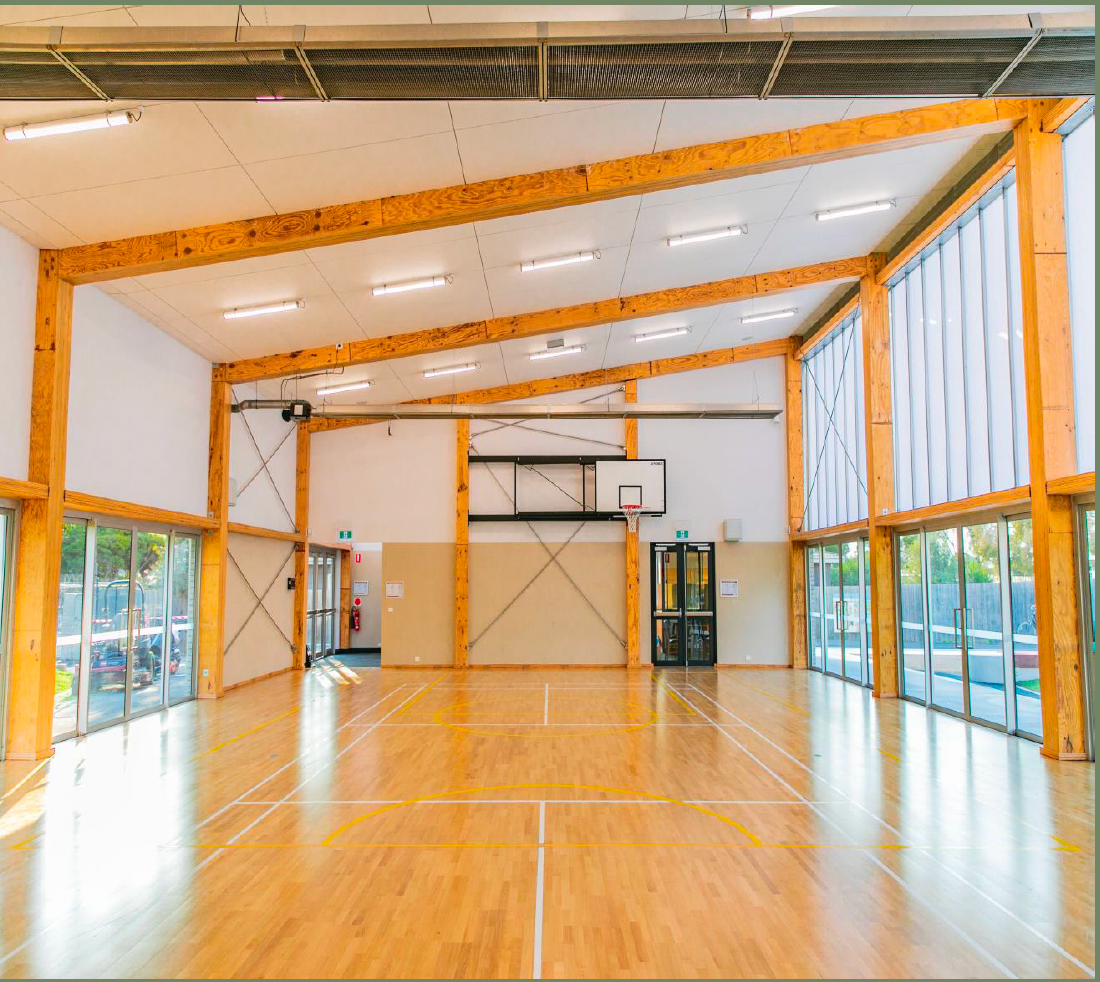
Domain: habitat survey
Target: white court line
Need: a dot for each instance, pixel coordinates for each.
(328, 763)
(540, 881)
(962, 879)
(294, 760)
(236, 801)
(955, 929)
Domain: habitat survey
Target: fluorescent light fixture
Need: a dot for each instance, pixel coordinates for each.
(575, 349)
(828, 216)
(453, 370)
(766, 13)
(331, 390)
(425, 284)
(267, 308)
(573, 257)
(772, 316)
(672, 332)
(718, 233)
(56, 127)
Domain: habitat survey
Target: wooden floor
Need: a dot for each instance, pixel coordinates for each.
(553, 823)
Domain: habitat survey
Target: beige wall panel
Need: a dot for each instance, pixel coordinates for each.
(752, 629)
(259, 649)
(550, 624)
(418, 628)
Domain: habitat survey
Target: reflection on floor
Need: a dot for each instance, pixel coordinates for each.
(554, 823)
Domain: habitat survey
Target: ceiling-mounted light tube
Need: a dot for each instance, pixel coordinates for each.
(766, 13)
(347, 387)
(453, 370)
(672, 332)
(830, 214)
(575, 349)
(573, 257)
(718, 233)
(56, 127)
(425, 284)
(267, 308)
(772, 316)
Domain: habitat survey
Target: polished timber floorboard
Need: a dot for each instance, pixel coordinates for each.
(374, 822)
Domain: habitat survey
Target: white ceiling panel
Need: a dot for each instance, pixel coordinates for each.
(144, 207)
(596, 211)
(508, 13)
(599, 230)
(385, 386)
(323, 320)
(77, 15)
(270, 130)
(333, 14)
(559, 140)
(654, 265)
(372, 171)
(40, 229)
(199, 274)
(185, 15)
(486, 112)
(215, 296)
(687, 122)
(168, 139)
(517, 354)
(514, 292)
(490, 372)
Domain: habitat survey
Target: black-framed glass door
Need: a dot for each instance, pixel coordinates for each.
(684, 630)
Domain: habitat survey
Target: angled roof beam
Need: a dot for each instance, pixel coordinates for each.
(540, 322)
(587, 380)
(525, 193)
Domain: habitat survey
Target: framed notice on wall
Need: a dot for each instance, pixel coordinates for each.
(395, 590)
(729, 588)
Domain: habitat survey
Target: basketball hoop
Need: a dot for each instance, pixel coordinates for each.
(632, 513)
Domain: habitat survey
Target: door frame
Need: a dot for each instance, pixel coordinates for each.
(7, 591)
(681, 549)
(92, 523)
(859, 586)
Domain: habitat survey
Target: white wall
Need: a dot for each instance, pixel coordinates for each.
(265, 500)
(18, 284)
(386, 488)
(139, 409)
(718, 469)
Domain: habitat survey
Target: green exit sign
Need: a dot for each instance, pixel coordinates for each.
(343, 534)
(682, 534)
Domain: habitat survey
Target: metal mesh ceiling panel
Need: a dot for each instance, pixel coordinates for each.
(700, 70)
(231, 74)
(1055, 66)
(38, 75)
(934, 66)
(427, 73)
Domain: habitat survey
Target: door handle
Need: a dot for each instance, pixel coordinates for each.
(955, 623)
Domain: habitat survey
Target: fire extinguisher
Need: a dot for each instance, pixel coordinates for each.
(355, 618)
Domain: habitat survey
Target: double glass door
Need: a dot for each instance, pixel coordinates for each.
(967, 622)
(323, 602)
(682, 574)
(838, 609)
(126, 623)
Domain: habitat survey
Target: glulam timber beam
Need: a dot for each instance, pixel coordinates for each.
(1048, 378)
(558, 319)
(94, 504)
(796, 550)
(462, 544)
(38, 555)
(215, 546)
(1060, 112)
(301, 550)
(879, 437)
(633, 581)
(526, 193)
(584, 380)
(11, 487)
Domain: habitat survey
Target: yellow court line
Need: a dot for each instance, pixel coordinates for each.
(675, 695)
(241, 736)
(412, 702)
(540, 787)
(886, 753)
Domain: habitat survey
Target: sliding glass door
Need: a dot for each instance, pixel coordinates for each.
(838, 609)
(7, 535)
(966, 604)
(126, 623)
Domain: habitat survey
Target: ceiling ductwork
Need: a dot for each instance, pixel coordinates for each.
(1047, 55)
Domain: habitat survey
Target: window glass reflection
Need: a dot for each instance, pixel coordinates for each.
(70, 608)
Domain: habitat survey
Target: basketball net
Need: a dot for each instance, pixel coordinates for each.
(632, 513)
